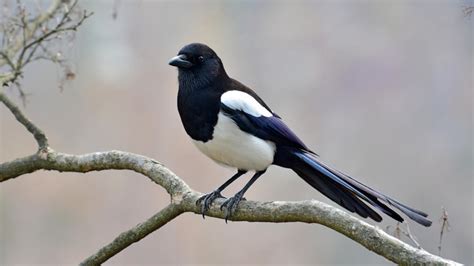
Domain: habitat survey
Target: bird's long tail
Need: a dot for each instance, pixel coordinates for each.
(348, 192)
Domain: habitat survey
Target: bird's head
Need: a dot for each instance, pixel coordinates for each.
(198, 64)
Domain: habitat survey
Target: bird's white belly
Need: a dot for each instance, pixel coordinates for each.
(233, 147)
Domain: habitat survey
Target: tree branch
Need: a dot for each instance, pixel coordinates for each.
(133, 235)
(27, 35)
(312, 211)
(98, 161)
(183, 199)
(5, 78)
(30, 31)
(40, 137)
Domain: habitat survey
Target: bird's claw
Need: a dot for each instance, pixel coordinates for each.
(206, 201)
(231, 204)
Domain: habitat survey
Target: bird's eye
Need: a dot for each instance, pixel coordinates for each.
(201, 58)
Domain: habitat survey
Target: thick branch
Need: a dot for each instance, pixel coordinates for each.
(312, 211)
(184, 198)
(51, 160)
(40, 137)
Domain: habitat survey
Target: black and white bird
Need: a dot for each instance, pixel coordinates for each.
(233, 126)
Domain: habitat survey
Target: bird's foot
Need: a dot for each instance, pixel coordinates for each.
(231, 204)
(206, 201)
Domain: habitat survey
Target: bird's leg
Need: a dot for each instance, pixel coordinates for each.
(206, 200)
(231, 204)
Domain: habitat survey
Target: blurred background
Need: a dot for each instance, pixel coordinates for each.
(380, 89)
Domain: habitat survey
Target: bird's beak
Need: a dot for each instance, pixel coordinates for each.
(180, 61)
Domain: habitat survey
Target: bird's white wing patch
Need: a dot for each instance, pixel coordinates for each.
(239, 100)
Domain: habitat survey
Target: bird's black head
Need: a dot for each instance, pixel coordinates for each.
(197, 64)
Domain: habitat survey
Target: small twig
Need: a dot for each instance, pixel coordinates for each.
(445, 226)
(6, 78)
(412, 237)
(56, 30)
(15, 43)
(38, 134)
(23, 94)
(24, 24)
(398, 231)
(8, 60)
(31, 53)
(24, 50)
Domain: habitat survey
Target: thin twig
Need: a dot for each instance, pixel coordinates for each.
(16, 44)
(398, 231)
(411, 236)
(445, 226)
(18, 55)
(23, 94)
(56, 30)
(6, 78)
(7, 59)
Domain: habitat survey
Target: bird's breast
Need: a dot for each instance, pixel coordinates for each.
(198, 112)
(233, 147)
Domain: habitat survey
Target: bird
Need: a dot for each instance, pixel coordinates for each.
(233, 126)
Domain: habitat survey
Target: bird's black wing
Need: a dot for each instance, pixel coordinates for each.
(255, 119)
(259, 121)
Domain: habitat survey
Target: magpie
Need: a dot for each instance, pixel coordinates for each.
(233, 126)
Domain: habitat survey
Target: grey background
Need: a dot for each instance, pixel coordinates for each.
(380, 89)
